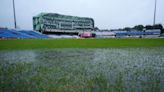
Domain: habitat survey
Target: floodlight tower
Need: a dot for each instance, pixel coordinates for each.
(15, 23)
(155, 7)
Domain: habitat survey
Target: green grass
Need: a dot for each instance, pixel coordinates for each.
(137, 66)
(81, 43)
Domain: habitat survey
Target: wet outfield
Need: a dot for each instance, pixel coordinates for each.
(82, 70)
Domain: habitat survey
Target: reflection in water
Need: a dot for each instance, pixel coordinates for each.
(129, 70)
(18, 56)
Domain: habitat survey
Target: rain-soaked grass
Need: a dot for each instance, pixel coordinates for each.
(82, 70)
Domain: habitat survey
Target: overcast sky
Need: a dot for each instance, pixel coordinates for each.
(108, 14)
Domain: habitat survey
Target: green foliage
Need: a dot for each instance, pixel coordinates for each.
(156, 26)
(148, 27)
(127, 29)
(139, 27)
(162, 31)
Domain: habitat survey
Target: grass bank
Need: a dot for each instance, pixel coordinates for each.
(81, 43)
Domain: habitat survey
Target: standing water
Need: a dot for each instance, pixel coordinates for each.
(82, 70)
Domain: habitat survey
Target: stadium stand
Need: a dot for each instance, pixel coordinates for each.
(121, 34)
(34, 34)
(162, 35)
(22, 34)
(135, 33)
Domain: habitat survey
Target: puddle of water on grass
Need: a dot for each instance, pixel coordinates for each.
(129, 70)
(18, 56)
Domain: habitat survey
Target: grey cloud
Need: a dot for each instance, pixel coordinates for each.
(106, 13)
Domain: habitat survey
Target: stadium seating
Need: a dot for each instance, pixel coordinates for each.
(135, 33)
(121, 33)
(162, 35)
(21, 34)
(34, 34)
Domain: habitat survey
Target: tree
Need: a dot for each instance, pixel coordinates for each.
(148, 27)
(139, 27)
(158, 26)
(96, 29)
(127, 29)
(162, 31)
